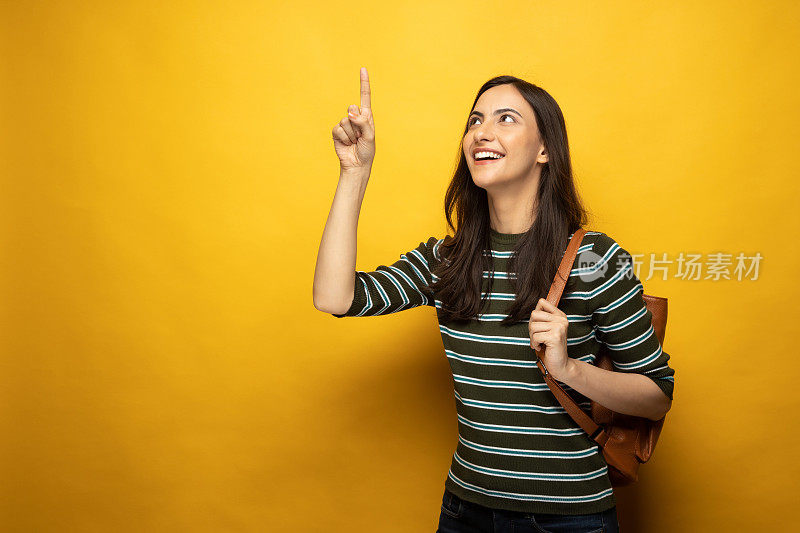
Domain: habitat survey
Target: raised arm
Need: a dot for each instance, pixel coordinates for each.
(354, 143)
(404, 284)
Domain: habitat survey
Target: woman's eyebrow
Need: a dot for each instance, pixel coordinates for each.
(497, 112)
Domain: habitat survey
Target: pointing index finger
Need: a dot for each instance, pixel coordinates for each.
(365, 92)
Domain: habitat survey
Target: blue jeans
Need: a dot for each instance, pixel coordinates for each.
(460, 516)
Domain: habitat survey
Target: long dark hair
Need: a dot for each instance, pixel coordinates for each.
(559, 212)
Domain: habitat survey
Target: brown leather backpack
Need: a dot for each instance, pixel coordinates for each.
(626, 440)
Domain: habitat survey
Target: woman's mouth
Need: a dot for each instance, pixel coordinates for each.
(484, 157)
(487, 161)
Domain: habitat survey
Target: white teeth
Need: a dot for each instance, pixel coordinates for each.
(487, 154)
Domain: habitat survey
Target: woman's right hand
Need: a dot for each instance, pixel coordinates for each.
(354, 135)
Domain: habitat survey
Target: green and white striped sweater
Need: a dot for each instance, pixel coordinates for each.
(517, 448)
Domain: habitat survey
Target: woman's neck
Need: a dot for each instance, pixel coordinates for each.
(507, 216)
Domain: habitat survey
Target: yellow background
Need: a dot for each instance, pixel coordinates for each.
(167, 170)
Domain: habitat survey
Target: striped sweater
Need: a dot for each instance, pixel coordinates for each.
(517, 447)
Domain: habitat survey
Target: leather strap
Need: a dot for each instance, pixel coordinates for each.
(586, 422)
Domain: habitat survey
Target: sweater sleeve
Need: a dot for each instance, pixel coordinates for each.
(391, 288)
(621, 319)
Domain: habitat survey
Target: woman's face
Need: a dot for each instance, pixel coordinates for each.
(503, 121)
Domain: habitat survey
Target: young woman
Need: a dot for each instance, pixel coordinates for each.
(521, 462)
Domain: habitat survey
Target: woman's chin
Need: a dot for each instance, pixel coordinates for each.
(486, 180)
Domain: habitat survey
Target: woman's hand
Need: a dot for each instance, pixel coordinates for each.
(548, 331)
(354, 135)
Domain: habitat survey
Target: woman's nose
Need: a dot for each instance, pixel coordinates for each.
(483, 133)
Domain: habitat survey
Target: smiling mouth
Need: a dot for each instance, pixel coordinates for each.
(488, 160)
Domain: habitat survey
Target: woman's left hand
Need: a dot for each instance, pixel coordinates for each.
(548, 331)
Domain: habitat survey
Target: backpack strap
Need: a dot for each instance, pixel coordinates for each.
(586, 422)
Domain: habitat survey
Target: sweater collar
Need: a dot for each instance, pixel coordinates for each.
(504, 238)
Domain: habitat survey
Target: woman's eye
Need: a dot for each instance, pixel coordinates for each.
(473, 120)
